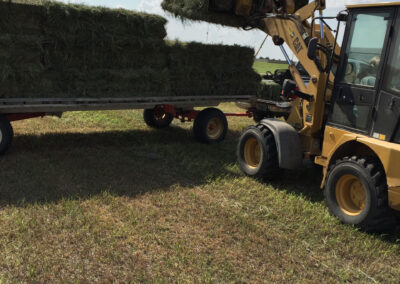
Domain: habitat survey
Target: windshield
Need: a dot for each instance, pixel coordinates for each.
(363, 55)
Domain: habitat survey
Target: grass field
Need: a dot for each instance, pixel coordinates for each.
(96, 197)
(262, 66)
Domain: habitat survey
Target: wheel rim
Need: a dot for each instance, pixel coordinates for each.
(160, 115)
(215, 128)
(252, 153)
(350, 195)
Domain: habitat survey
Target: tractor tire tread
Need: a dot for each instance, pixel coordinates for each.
(270, 167)
(382, 217)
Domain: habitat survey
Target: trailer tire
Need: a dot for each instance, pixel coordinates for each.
(210, 126)
(258, 116)
(356, 193)
(157, 118)
(257, 154)
(6, 134)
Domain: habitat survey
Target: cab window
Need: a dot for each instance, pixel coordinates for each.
(355, 88)
(363, 54)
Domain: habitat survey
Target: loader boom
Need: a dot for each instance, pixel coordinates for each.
(298, 29)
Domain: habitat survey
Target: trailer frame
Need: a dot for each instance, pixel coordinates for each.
(210, 124)
(54, 105)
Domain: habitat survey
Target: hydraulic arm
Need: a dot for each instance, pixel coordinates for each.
(314, 45)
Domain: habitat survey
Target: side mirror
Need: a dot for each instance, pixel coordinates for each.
(312, 48)
(342, 16)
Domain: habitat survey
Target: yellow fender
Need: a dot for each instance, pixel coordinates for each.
(339, 143)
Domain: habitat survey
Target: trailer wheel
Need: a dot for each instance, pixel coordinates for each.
(157, 118)
(356, 193)
(210, 126)
(257, 153)
(257, 117)
(6, 134)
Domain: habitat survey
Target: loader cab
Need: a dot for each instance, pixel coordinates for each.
(366, 96)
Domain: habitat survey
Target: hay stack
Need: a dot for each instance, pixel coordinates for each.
(198, 69)
(50, 50)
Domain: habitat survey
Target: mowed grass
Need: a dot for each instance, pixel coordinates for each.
(100, 197)
(262, 67)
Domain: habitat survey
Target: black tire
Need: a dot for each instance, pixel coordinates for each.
(210, 126)
(257, 116)
(264, 164)
(6, 134)
(157, 118)
(367, 209)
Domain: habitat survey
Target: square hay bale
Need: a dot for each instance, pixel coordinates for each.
(21, 17)
(201, 10)
(201, 69)
(198, 10)
(66, 19)
(270, 91)
(115, 54)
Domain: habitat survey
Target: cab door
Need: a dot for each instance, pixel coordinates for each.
(358, 79)
(387, 113)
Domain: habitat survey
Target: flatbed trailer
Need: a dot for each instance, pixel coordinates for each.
(210, 124)
(54, 105)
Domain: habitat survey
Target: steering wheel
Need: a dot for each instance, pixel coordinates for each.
(268, 75)
(368, 81)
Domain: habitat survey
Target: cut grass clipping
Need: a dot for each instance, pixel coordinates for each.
(50, 49)
(202, 10)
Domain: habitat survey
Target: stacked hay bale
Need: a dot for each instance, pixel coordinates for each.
(217, 70)
(105, 52)
(222, 12)
(21, 48)
(50, 50)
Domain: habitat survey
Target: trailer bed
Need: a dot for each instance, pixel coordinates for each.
(35, 105)
(209, 125)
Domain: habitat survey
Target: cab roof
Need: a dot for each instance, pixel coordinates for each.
(384, 4)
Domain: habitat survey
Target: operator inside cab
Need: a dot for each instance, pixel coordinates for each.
(365, 49)
(362, 73)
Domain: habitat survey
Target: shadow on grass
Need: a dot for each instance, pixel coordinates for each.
(305, 182)
(50, 167)
(43, 168)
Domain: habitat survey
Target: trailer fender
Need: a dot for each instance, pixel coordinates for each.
(287, 142)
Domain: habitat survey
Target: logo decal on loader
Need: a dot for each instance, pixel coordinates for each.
(297, 45)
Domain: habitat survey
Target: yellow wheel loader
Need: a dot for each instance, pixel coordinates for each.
(346, 117)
